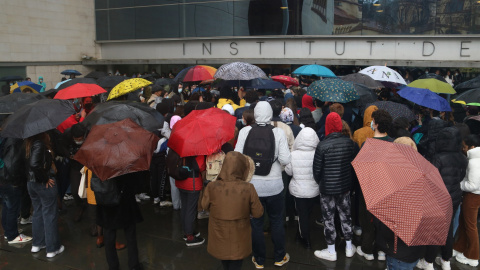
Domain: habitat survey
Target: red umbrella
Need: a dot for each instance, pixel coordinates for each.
(79, 90)
(199, 73)
(116, 149)
(404, 191)
(287, 80)
(202, 132)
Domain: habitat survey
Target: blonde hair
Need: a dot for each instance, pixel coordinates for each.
(407, 141)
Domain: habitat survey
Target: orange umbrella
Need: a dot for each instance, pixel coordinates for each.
(404, 191)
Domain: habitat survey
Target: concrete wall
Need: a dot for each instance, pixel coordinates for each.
(51, 74)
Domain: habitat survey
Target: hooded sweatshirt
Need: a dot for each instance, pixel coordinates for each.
(271, 184)
(43, 84)
(362, 134)
(307, 102)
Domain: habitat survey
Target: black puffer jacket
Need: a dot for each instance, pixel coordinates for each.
(426, 146)
(450, 161)
(14, 159)
(39, 163)
(332, 167)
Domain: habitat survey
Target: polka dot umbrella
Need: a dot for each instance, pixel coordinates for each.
(333, 90)
(127, 86)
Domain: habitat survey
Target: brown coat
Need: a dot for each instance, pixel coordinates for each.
(362, 134)
(231, 201)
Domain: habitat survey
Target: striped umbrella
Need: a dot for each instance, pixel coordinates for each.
(239, 71)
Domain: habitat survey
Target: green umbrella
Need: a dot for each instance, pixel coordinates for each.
(433, 85)
(333, 90)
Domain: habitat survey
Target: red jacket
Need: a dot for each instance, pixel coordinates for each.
(192, 184)
(68, 123)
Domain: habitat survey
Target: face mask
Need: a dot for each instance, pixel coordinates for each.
(79, 142)
(88, 106)
(243, 122)
(371, 126)
(180, 90)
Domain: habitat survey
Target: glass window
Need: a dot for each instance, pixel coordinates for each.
(101, 21)
(100, 4)
(157, 22)
(122, 23)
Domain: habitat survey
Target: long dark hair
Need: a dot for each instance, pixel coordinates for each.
(306, 118)
(44, 138)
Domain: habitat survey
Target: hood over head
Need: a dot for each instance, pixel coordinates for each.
(236, 167)
(367, 115)
(286, 115)
(333, 123)
(473, 153)
(306, 140)
(228, 108)
(263, 113)
(448, 140)
(174, 120)
(307, 102)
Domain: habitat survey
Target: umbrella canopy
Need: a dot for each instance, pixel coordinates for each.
(11, 78)
(70, 72)
(470, 96)
(433, 85)
(384, 74)
(71, 82)
(49, 92)
(314, 70)
(396, 110)
(37, 117)
(11, 103)
(404, 191)
(150, 76)
(127, 86)
(113, 111)
(202, 132)
(425, 98)
(333, 90)
(111, 81)
(60, 83)
(196, 74)
(265, 84)
(163, 81)
(239, 71)
(286, 80)
(432, 76)
(79, 90)
(114, 149)
(366, 94)
(96, 74)
(470, 84)
(363, 79)
(22, 86)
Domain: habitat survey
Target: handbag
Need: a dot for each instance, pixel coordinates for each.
(106, 192)
(82, 191)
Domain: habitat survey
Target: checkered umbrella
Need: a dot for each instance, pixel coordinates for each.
(404, 191)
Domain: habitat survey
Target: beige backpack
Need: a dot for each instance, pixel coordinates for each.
(214, 165)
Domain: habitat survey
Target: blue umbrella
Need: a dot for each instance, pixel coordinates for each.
(27, 84)
(425, 98)
(70, 71)
(60, 83)
(201, 89)
(314, 70)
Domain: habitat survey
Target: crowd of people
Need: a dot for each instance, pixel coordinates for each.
(307, 147)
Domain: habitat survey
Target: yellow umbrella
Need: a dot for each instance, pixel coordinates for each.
(433, 85)
(25, 85)
(127, 86)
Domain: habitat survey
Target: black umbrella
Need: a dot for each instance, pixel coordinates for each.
(49, 92)
(163, 81)
(11, 78)
(395, 110)
(432, 76)
(76, 80)
(96, 74)
(150, 77)
(363, 79)
(37, 117)
(366, 94)
(11, 103)
(470, 96)
(114, 111)
(71, 72)
(470, 84)
(111, 81)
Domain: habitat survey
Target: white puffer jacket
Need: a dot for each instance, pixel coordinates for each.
(301, 166)
(471, 183)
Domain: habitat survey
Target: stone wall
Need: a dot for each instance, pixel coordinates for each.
(51, 74)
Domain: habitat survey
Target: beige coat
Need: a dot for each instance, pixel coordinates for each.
(231, 201)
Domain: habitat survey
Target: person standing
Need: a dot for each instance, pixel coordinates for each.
(42, 83)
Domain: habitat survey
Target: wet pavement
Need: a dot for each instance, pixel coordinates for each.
(161, 247)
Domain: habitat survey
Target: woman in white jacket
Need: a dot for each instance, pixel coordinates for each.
(466, 248)
(303, 186)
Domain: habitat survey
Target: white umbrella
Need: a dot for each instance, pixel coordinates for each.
(384, 74)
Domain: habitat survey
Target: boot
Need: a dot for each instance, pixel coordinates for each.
(100, 241)
(119, 246)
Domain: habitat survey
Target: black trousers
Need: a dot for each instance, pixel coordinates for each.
(188, 212)
(289, 203)
(110, 238)
(232, 264)
(368, 229)
(446, 250)
(26, 203)
(304, 209)
(158, 177)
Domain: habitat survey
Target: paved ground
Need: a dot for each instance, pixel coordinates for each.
(161, 247)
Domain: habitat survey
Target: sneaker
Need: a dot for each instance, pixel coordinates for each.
(25, 221)
(296, 218)
(455, 253)
(166, 204)
(445, 264)
(464, 260)
(368, 257)
(350, 252)
(19, 232)
(21, 238)
(67, 197)
(203, 214)
(195, 241)
(196, 234)
(357, 231)
(325, 255)
(285, 260)
(137, 198)
(257, 266)
(422, 264)
(55, 253)
(143, 197)
(156, 200)
(36, 249)
(381, 256)
(287, 218)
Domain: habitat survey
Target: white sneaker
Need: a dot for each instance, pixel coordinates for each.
(55, 253)
(357, 231)
(455, 253)
(445, 264)
(368, 257)
(36, 249)
(350, 252)
(21, 238)
(165, 204)
(422, 264)
(25, 221)
(381, 256)
(325, 255)
(156, 200)
(137, 198)
(143, 197)
(203, 214)
(464, 260)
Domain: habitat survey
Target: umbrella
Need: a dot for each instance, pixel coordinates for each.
(22, 86)
(433, 85)
(111, 81)
(333, 90)
(404, 191)
(286, 80)
(425, 98)
(432, 76)
(127, 86)
(239, 71)
(113, 111)
(202, 132)
(470, 96)
(10, 103)
(70, 72)
(366, 94)
(384, 74)
(49, 92)
(195, 74)
(62, 82)
(71, 82)
(470, 84)
(37, 117)
(314, 70)
(396, 110)
(150, 76)
(11, 78)
(363, 79)
(96, 74)
(265, 84)
(114, 149)
(79, 90)
(163, 81)
(201, 89)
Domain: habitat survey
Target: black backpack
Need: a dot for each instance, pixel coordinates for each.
(181, 168)
(106, 192)
(260, 146)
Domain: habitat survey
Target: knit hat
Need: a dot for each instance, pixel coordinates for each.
(174, 120)
(333, 123)
(307, 102)
(228, 108)
(286, 115)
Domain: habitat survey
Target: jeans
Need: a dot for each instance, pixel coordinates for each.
(11, 197)
(456, 219)
(177, 204)
(274, 205)
(394, 264)
(45, 216)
